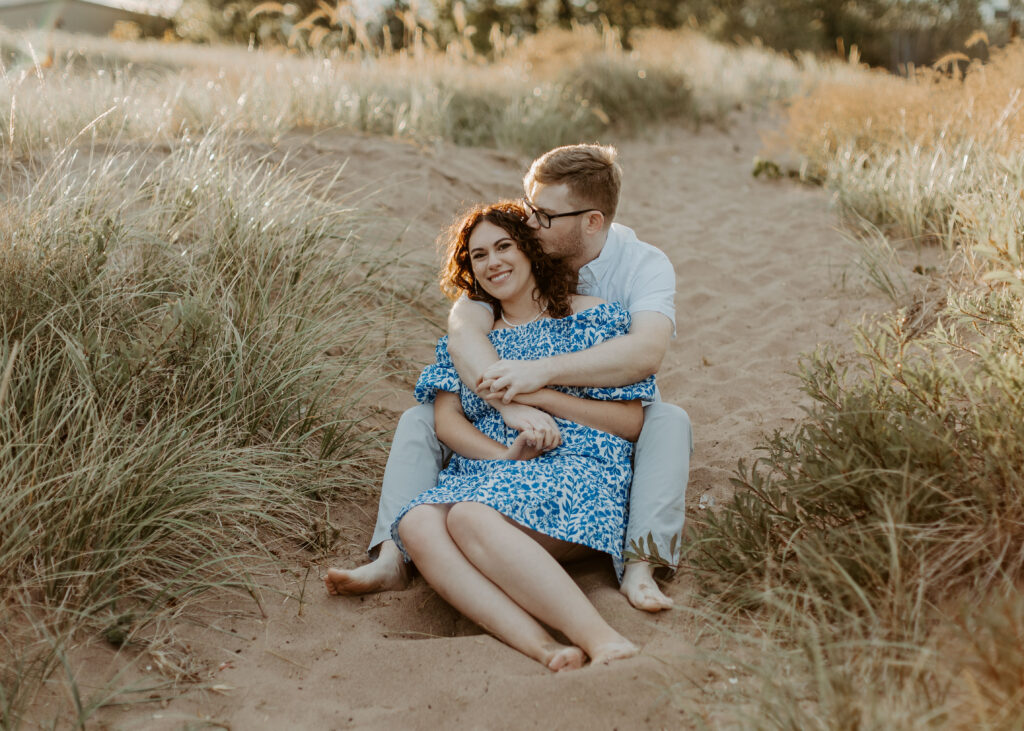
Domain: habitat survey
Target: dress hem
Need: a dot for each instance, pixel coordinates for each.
(617, 560)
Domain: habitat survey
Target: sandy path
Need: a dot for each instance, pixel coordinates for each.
(757, 267)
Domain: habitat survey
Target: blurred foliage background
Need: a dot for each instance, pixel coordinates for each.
(885, 33)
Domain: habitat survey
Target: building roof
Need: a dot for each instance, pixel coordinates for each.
(156, 8)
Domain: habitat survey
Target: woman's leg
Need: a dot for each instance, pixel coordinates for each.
(424, 532)
(533, 578)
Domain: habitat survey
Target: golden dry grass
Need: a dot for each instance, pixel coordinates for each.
(876, 112)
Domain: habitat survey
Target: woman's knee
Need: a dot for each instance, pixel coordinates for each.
(420, 527)
(470, 521)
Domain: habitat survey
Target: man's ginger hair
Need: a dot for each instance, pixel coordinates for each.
(589, 171)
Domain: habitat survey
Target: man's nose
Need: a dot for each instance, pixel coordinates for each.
(532, 221)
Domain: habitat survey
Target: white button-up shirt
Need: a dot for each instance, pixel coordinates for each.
(636, 275)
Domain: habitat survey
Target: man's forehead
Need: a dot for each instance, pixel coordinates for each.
(550, 197)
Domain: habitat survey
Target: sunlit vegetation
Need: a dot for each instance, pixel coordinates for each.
(881, 538)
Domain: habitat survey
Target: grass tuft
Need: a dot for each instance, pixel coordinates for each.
(860, 540)
(166, 399)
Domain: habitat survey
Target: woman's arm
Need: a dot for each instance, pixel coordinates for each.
(622, 418)
(471, 352)
(456, 431)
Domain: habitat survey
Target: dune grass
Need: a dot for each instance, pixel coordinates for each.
(556, 88)
(166, 404)
(884, 532)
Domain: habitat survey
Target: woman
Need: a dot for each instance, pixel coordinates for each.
(490, 536)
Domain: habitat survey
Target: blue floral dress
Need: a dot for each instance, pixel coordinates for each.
(576, 492)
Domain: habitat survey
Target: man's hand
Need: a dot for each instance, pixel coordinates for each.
(513, 377)
(538, 424)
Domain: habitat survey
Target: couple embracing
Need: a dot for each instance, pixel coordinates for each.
(560, 446)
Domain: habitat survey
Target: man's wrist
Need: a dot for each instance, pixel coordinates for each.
(548, 370)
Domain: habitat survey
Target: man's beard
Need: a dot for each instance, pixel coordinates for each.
(568, 247)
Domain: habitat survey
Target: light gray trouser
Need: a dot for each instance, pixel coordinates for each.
(661, 466)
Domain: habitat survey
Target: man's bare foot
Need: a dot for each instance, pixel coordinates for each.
(640, 588)
(564, 657)
(615, 651)
(387, 572)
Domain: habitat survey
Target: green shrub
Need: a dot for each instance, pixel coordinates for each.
(905, 480)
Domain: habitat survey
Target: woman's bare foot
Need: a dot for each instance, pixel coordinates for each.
(387, 572)
(564, 657)
(614, 651)
(642, 590)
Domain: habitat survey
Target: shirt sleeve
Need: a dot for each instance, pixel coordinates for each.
(440, 376)
(655, 287)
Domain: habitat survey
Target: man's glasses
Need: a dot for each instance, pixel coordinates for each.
(544, 218)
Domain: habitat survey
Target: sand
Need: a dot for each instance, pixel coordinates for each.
(759, 267)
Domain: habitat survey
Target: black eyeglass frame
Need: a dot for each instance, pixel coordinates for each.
(544, 218)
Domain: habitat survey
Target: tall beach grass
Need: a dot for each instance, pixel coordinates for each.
(166, 403)
(883, 534)
(556, 88)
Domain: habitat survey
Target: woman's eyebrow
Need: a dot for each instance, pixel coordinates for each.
(499, 241)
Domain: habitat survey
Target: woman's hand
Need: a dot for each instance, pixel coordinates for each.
(524, 418)
(622, 418)
(526, 446)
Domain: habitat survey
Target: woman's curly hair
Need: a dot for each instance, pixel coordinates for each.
(556, 281)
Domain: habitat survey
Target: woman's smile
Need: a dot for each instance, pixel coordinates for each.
(499, 265)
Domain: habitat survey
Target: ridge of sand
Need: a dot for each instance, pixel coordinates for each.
(757, 266)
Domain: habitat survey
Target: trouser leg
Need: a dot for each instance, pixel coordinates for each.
(415, 459)
(661, 467)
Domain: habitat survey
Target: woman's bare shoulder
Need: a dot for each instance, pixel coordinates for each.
(582, 302)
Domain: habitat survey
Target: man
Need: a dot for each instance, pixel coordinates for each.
(572, 192)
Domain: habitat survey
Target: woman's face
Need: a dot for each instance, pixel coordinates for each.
(499, 265)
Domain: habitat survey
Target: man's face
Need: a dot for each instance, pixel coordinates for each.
(564, 239)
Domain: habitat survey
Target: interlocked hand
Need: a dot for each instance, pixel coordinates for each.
(508, 378)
